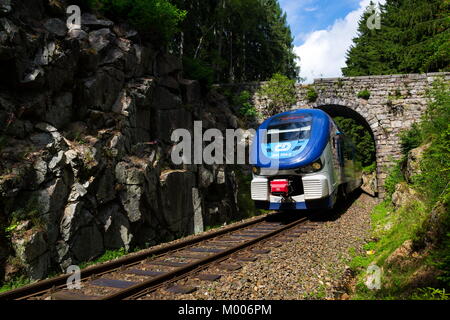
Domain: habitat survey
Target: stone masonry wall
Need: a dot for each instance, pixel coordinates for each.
(395, 103)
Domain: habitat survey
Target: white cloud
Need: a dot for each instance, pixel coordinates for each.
(294, 8)
(323, 52)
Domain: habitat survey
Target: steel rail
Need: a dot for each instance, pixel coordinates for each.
(48, 284)
(157, 281)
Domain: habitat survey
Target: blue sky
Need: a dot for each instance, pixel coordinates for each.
(306, 16)
(323, 31)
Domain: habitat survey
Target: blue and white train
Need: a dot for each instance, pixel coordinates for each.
(301, 160)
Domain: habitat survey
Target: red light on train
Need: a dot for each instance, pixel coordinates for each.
(279, 187)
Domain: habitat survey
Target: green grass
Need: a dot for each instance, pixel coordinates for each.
(404, 223)
(207, 228)
(395, 177)
(370, 246)
(430, 294)
(318, 294)
(390, 229)
(107, 256)
(30, 211)
(15, 283)
(216, 226)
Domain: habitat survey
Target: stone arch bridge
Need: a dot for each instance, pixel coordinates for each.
(394, 104)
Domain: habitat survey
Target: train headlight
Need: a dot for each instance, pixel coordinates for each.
(256, 170)
(313, 167)
(317, 165)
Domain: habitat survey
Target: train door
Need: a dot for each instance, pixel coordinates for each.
(337, 155)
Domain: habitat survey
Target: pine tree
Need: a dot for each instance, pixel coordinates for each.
(235, 40)
(364, 56)
(414, 38)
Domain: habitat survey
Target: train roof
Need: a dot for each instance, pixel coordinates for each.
(295, 152)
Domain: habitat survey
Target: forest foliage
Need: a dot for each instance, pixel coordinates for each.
(239, 40)
(158, 19)
(218, 40)
(414, 38)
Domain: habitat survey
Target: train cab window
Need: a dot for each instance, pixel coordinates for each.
(289, 128)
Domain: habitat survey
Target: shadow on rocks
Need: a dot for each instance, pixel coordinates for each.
(340, 208)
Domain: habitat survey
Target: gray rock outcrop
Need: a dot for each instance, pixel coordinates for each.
(403, 195)
(86, 118)
(369, 184)
(413, 162)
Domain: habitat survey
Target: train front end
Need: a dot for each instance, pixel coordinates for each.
(292, 162)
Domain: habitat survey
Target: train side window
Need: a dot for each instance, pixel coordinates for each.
(341, 150)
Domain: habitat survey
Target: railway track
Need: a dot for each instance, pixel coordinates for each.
(135, 276)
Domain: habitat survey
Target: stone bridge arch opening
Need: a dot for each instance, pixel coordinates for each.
(347, 112)
(369, 154)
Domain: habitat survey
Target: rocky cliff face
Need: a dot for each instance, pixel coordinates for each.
(86, 118)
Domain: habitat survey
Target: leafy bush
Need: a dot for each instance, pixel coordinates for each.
(158, 18)
(30, 211)
(280, 90)
(411, 139)
(434, 179)
(437, 115)
(228, 93)
(395, 177)
(246, 107)
(248, 111)
(435, 166)
(311, 95)
(15, 283)
(364, 94)
(242, 98)
(370, 168)
(198, 70)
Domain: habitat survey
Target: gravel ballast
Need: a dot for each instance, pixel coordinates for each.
(310, 267)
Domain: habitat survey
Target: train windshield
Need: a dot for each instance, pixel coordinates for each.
(289, 128)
